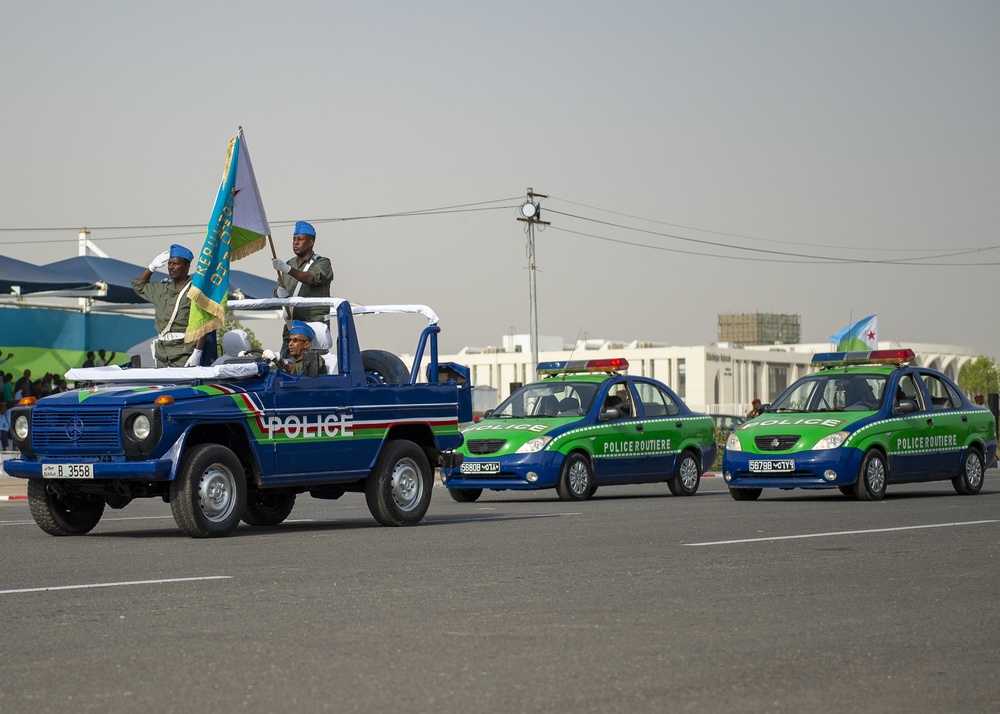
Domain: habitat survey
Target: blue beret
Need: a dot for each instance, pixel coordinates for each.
(304, 228)
(301, 328)
(179, 251)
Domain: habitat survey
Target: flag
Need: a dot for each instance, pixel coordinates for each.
(238, 227)
(859, 337)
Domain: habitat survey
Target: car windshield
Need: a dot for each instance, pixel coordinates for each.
(548, 399)
(832, 392)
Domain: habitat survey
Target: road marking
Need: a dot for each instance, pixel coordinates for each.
(103, 520)
(114, 585)
(839, 533)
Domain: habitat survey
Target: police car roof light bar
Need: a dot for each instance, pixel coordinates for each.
(843, 359)
(582, 365)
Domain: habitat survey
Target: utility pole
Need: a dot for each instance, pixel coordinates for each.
(530, 212)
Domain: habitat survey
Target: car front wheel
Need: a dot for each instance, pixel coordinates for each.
(970, 481)
(872, 476)
(745, 494)
(398, 490)
(465, 495)
(62, 515)
(209, 495)
(575, 479)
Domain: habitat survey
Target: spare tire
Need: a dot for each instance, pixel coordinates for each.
(383, 367)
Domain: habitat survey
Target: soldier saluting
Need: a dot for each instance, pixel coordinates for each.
(171, 308)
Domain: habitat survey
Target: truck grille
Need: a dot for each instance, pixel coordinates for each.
(775, 442)
(68, 431)
(479, 447)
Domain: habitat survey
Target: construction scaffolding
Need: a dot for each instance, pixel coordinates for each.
(759, 328)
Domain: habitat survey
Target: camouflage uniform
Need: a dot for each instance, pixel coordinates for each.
(163, 296)
(322, 272)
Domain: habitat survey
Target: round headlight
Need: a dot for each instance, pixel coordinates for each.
(140, 427)
(21, 427)
(733, 443)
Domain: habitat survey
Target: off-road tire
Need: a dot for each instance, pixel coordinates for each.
(209, 495)
(268, 509)
(62, 516)
(383, 367)
(398, 490)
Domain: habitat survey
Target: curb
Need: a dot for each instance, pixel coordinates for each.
(13, 498)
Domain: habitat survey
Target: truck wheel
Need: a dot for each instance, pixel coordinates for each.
(383, 367)
(745, 494)
(209, 495)
(687, 477)
(62, 515)
(398, 489)
(465, 495)
(268, 509)
(575, 479)
(970, 480)
(870, 485)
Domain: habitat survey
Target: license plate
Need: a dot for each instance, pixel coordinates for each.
(67, 470)
(773, 465)
(480, 467)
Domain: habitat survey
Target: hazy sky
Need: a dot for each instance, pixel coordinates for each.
(700, 157)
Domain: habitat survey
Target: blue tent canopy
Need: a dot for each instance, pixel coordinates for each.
(32, 278)
(118, 274)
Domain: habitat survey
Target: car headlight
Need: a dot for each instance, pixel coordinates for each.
(141, 427)
(536, 444)
(733, 443)
(831, 441)
(21, 427)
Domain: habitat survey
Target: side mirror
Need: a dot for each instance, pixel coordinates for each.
(905, 406)
(487, 414)
(610, 414)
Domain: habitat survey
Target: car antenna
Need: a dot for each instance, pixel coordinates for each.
(572, 351)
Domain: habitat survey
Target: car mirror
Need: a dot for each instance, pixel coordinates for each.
(611, 413)
(906, 406)
(487, 414)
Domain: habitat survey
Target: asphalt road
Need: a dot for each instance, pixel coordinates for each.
(635, 601)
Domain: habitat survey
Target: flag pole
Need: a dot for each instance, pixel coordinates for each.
(281, 281)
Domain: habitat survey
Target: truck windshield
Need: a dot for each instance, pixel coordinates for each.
(833, 392)
(548, 399)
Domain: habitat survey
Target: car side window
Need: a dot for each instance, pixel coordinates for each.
(941, 398)
(655, 401)
(620, 398)
(907, 389)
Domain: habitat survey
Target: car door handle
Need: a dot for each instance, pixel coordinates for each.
(965, 417)
(930, 422)
(679, 425)
(638, 427)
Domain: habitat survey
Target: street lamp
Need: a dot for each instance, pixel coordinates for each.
(530, 213)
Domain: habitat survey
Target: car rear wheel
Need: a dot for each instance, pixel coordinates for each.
(62, 515)
(465, 495)
(745, 494)
(686, 477)
(872, 476)
(398, 490)
(970, 481)
(576, 479)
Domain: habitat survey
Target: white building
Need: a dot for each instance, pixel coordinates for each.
(718, 379)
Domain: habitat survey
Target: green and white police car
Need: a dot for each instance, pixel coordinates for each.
(583, 426)
(865, 420)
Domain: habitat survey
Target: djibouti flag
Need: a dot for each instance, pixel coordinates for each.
(238, 227)
(859, 337)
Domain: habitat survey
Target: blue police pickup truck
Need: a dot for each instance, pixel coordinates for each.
(240, 439)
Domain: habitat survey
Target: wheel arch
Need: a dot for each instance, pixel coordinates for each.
(233, 436)
(420, 434)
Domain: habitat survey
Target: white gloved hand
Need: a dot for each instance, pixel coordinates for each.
(159, 261)
(282, 293)
(281, 266)
(269, 355)
(195, 359)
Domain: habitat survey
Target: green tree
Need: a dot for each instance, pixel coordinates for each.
(980, 376)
